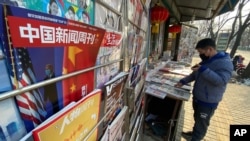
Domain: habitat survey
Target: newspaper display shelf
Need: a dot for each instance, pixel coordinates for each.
(117, 22)
(161, 92)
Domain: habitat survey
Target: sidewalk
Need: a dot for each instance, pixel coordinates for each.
(233, 109)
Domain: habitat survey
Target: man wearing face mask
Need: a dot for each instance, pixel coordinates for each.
(211, 76)
(50, 91)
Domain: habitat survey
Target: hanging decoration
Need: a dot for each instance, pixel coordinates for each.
(158, 14)
(174, 29)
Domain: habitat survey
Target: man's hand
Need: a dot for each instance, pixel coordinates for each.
(178, 85)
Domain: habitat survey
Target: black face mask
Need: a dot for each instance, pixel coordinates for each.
(204, 57)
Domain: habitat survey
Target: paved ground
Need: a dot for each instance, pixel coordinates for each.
(234, 109)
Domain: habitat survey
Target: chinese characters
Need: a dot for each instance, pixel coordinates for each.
(49, 34)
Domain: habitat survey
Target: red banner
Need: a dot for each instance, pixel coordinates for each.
(37, 33)
(112, 39)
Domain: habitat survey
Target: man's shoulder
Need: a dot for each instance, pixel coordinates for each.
(222, 63)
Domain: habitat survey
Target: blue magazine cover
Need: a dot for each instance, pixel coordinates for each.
(11, 125)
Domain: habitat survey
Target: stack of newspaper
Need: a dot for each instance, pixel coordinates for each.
(162, 83)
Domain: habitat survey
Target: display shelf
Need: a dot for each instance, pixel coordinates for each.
(135, 113)
(140, 128)
(137, 130)
(161, 92)
(135, 99)
(135, 59)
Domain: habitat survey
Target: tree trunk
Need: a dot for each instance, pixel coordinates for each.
(236, 44)
(246, 73)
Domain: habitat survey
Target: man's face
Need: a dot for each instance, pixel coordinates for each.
(206, 51)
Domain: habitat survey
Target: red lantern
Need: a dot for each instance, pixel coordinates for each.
(174, 29)
(158, 14)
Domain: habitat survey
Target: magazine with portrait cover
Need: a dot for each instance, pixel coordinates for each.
(77, 10)
(45, 47)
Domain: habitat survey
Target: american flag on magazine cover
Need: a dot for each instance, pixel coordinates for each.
(29, 103)
(20, 70)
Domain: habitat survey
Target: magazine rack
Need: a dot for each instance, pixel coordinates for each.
(119, 18)
(135, 103)
(136, 54)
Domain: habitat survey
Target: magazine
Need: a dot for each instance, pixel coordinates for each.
(136, 73)
(105, 18)
(115, 128)
(77, 10)
(116, 4)
(11, 125)
(110, 50)
(72, 123)
(172, 91)
(63, 56)
(114, 131)
(113, 101)
(155, 92)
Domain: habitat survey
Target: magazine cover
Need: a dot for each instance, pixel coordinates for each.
(135, 48)
(129, 51)
(144, 21)
(11, 125)
(18, 3)
(131, 11)
(74, 123)
(115, 131)
(116, 4)
(105, 18)
(77, 10)
(4, 75)
(135, 11)
(113, 101)
(44, 47)
(110, 50)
